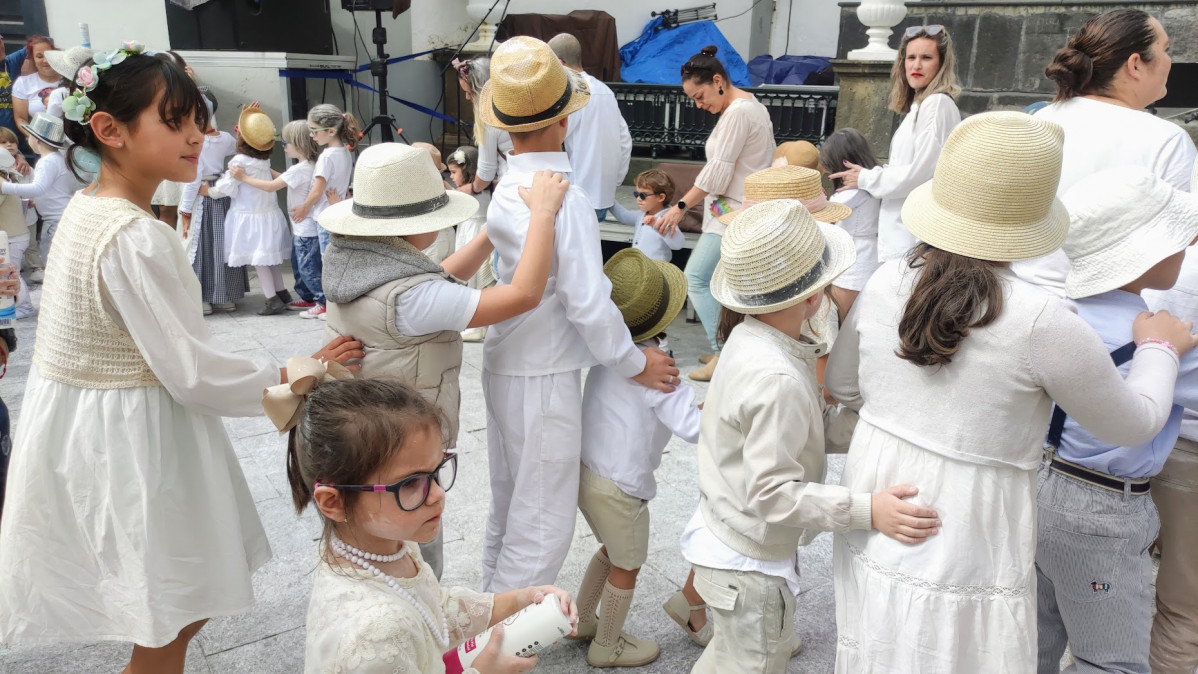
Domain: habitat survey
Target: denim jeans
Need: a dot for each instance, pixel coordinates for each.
(601, 214)
(306, 264)
(323, 234)
(699, 269)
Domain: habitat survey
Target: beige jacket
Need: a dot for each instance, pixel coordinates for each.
(761, 449)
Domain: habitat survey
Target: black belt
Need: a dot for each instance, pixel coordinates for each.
(1098, 479)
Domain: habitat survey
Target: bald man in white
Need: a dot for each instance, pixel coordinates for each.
(597, 142)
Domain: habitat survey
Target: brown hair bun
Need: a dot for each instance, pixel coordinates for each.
(709, 50)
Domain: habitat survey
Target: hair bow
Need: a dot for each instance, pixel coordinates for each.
(458, 157)
(463, 68)
(284, 403)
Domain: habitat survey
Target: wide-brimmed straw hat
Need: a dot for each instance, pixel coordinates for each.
(649, 293)
(256, 128)
(67, 62)
(47, 129)
(790, 182)
(529, 87)
(776, 255)
(993, 196)
(397, 192)
(796, 153)
(1122, 221)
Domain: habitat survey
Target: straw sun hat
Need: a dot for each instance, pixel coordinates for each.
(648, 293)
(66, 63)
(529, 87)
(397, 192)
(1123, 221)
(776, 255)
(789, 182)
(993, 196)
(796, 153)
(256, 128)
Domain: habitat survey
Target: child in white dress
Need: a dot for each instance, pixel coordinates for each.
(849, 145)
(257, 232)
(654, 193)
(369, 454)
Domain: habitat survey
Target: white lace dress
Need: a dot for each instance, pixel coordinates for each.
(357, 623)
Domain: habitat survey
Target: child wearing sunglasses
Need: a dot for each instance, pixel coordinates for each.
(369, 453)
(338, 133)
(654, 194)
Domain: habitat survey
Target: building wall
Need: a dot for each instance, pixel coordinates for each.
(813, 30)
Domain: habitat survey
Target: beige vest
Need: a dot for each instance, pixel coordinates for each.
(78, 343)
(429, 363)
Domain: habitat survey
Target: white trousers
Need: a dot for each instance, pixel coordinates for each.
(534, 443)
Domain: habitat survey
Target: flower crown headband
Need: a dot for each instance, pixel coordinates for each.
(77, 107)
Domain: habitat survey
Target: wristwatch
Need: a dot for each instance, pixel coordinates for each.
(681, 205)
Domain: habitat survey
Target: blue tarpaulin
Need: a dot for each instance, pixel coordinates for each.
(766, 69)
(656, 57)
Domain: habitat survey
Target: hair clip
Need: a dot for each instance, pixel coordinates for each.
(77, 107)
(458, 157)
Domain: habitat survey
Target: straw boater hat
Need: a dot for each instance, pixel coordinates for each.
(66, 63)
(789, 182)
(1122, 221)
(397, 192)
(993, 196)
(796, 153)
(256, 128)
(648, 293)
(776, 255)
(529, 87)
(47, 129)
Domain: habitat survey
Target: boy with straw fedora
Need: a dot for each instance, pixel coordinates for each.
(407, 310)
(532, 363)
(1128, 232)
(761, 447)
(625, 428)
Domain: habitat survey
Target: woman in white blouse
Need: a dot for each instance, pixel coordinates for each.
(923, 87)
(741, 143)
(494, 145)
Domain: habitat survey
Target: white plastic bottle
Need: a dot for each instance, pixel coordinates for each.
(8, 303)
(526, 633)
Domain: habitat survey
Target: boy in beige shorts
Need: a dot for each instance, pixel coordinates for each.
(625, 427)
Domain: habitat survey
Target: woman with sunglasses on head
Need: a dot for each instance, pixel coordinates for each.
(741, 143)
(369, 453)
(924, 87)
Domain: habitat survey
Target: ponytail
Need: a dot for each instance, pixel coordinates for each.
(350, 133)
(301, 491)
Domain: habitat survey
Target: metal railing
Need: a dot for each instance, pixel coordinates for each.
(661, 116)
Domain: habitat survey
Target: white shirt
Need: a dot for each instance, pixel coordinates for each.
(741, 143)
(1102, 135)
(599, 145)
(299, 184)
(862, 225)
(1181, 301)
(336, 166)
(493, 153)
(914, 150)
(211, 164)
(576, 325)
(655, 246)
(52, 187)
(626, 426)
(434, 306)
(701, 546)
(33, 88)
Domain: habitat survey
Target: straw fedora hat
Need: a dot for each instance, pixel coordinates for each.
(397, 192)
(796, 153)
(529, 87)
(47, 129)
(649, 293)
(993, 196)
(776, 255)
(789, 182)
(256, 128)
(67, 62)
(1122, 221)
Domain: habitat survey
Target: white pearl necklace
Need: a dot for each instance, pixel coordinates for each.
(363, 559)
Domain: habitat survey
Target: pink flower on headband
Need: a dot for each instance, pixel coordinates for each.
(86, 78)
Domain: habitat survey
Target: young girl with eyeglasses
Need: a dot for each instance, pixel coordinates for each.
(370, 455)
(338, 133)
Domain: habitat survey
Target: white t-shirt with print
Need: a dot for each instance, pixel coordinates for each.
(32, 88)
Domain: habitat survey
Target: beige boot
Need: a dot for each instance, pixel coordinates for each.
(706, 358)
(612, 646)
(704, 373)
(588, 596)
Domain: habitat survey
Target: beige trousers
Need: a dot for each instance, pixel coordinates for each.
(1175, 627)
(753, 616)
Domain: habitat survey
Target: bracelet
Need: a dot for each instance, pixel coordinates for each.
(1154, 340)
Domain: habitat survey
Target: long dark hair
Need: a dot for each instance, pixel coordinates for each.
(845, 145)
(953, 295)
(1087, 65)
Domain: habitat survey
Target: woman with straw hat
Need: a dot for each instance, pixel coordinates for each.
(985, 354)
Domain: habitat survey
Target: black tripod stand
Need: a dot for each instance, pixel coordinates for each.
(378, 67)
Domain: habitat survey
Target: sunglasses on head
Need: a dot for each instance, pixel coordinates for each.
(916, 31)
(412, 491)
(644, 195)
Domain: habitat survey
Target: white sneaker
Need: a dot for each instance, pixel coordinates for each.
(37, 276)
(25, 310)
(207, 309)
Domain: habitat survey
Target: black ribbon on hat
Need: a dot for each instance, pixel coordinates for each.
(659, 311)
(790, 290)
(401, 210)
(550, 113)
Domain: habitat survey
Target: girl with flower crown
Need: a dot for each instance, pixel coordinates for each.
(128, 517)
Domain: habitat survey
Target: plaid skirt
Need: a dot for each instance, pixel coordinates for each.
(219, 282)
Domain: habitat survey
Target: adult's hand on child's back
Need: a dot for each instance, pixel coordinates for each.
(901, 520)
(547, 193)
(1166, 327)
(342, 350)
(659, 373)
(493, 661)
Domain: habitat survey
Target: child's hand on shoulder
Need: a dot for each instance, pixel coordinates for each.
(537, 594)
(237, 172)
(547, 193)
(493, 661)
(901, 520)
